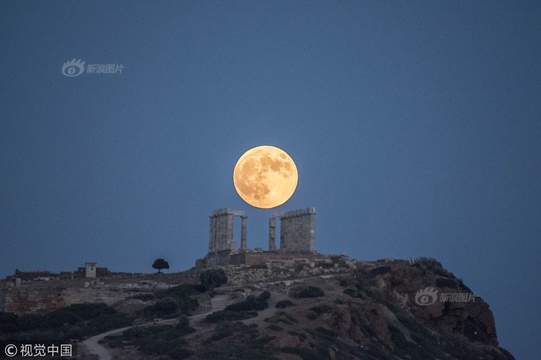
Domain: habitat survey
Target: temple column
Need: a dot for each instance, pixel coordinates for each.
(212, 231)
(272, 234)
(312, 231)
(243, 241)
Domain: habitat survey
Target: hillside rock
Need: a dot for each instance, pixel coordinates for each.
(376, 310)
(338, 310)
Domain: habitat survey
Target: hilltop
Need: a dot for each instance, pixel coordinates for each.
(344, 309)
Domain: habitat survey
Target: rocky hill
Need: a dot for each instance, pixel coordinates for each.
(389, 309)
(330, 308)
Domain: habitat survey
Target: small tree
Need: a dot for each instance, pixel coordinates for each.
(160, 264)
(213, 278)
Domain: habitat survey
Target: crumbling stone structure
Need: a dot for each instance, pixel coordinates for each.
(297, 231)
(221, 231)
(90, 269)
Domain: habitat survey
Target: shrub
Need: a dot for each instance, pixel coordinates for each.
(264, 296)
(157, 340)
(283, 304)
(74, 332)
(281, 317)
(183, 326)
(251, 303)
(180, 291)
(301, 336)
(227, 350)
(143, 297)
(225, 315)
(107, 322)
(175, 300)
(321, 309)
(351, 292)
(59, 317)
(346, 281)
(31, 322)
(75, 321)
(309, 292)
(213, 278)
(9, 323)
(166, 306)
(228, 329)
(379, 271)
(89, 311)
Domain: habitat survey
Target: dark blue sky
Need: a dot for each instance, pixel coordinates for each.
(415, 128)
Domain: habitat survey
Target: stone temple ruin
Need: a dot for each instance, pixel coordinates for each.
(297, 237)
(297, 232)
(221, 231)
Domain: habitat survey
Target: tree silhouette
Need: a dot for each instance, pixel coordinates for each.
(160, 264)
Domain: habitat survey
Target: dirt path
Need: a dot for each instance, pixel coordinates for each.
(97, 349)
(218, 303)
(94, 347)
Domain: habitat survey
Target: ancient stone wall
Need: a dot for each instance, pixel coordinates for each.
(23, 300)
(221, 258)
(27, 300)
(26, 297)
(31, 275)
(297, 230)
(303, 267)
(93, 295)
(261, 258)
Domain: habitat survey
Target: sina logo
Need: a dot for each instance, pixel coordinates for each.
(427, 296)
(73, 68)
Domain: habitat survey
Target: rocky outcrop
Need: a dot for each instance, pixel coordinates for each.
(387, 309)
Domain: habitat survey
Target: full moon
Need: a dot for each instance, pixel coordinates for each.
(265, 177)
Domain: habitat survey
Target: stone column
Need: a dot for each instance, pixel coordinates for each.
(243, 244)
(272, 233)
(212, 234)
(230, 241)
(283, 227)
(312, 230)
